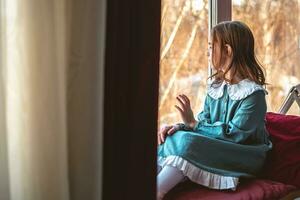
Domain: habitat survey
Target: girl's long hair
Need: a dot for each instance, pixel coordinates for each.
(244, 62)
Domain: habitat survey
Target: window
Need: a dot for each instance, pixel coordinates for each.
(185, 25)
(183, 60)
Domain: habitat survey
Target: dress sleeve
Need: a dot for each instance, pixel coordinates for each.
(204, 116)
(247, 117)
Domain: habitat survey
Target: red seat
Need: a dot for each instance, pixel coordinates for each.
(247, 190)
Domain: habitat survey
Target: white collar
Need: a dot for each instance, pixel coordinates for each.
(235, 91)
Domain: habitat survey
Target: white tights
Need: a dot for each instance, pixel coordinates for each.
(167, 178)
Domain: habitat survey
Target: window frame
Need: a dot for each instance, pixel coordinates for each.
(218, 11)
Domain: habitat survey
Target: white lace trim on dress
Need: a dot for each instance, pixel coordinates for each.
(198, 175)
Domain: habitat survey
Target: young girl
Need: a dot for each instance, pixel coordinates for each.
(228, 140)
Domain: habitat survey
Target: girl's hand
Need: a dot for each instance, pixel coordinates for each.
(164, 131)
(185, 111)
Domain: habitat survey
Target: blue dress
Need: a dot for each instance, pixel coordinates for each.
(229, 140)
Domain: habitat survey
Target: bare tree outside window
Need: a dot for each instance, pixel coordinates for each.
(183, 61)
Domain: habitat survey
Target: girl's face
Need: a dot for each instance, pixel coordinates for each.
(214, 54)
(219, 58)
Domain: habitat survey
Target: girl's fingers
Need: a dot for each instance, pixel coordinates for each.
(162, 138)
(158, 140)
(160, 132)
(164, 125)
(180, 100)
(179, 109)
(187, 100)
(171, 131)
(165, 130)
(158, 137)
(163, 133)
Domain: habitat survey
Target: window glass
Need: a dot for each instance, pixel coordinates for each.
(183, 60)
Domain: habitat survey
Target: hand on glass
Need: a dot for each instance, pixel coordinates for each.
(185, 111)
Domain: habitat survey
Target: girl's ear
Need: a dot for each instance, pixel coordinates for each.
(228, 50)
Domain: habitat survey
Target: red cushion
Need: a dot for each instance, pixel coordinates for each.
(247, 190)
(283, 163)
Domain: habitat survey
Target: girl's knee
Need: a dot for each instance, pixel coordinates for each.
(168, 178)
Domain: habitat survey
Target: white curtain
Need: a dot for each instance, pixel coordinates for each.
(51, 99)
